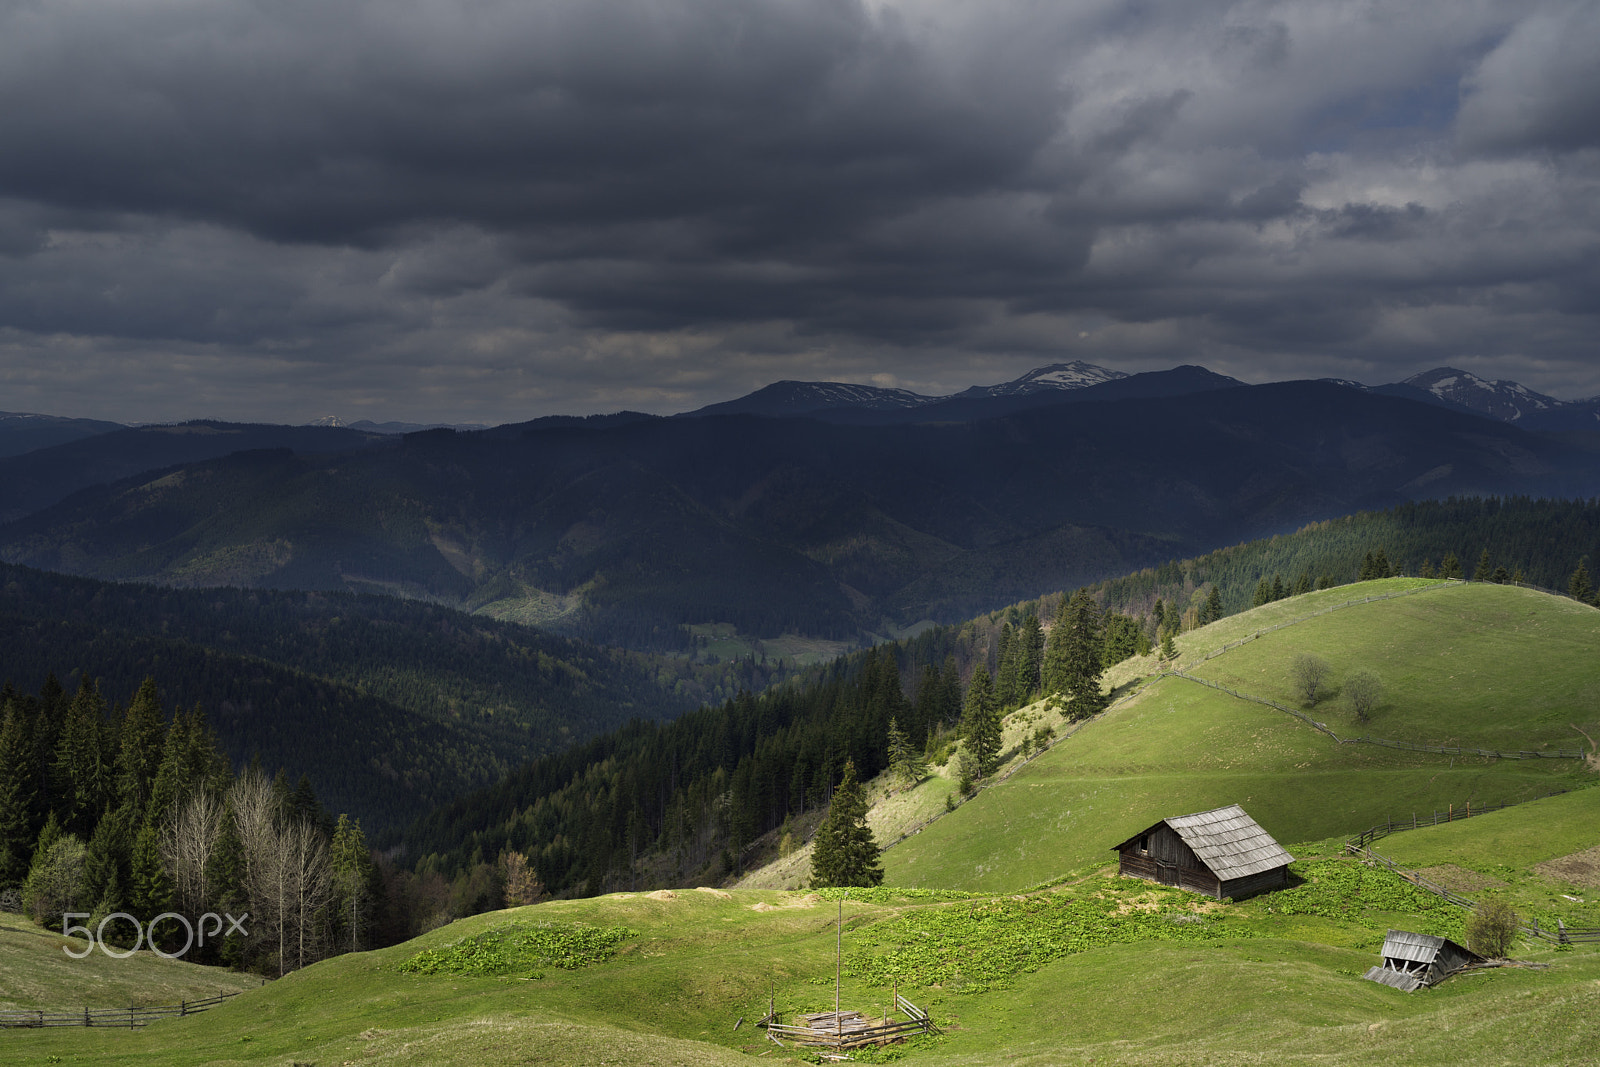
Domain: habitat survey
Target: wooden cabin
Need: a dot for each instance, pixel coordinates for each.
(1411, 961)
(1221, 853)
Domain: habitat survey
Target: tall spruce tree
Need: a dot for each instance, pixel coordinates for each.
(906, 761)
(1485, 570)
(139, 747)
(844, 852)
(1074, 662)
(16, 797)
(84, 779)
(980, 722)
(1579, 586)
(1030, 658)
(352, 881)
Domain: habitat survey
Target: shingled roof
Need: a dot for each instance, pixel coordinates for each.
(1230, 842)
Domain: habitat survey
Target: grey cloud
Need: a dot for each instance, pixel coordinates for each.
(503, 208)
(1540, 87)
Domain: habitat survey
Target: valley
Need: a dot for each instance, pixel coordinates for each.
(1151, 974)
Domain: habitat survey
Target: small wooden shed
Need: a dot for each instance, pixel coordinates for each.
(1411, 961)
(1221, 853)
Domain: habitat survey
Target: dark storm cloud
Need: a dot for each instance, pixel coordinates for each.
(488, 210)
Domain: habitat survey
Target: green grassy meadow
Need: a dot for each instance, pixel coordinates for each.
(1010, 926)
(1177, 747)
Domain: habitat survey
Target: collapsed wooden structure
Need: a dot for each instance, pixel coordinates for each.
(839, 1031)
(1221, 853)
(1412, 961)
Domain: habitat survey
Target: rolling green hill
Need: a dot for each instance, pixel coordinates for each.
(1475, 665)
(1097, 969)
(1083, 967)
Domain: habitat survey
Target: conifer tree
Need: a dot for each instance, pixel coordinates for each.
(1263, 594)
(905, 761)
(1483, 572)
(16, 798)
(1426, 570)
(139, 747)
(352, 876)
(980, 722)
(1450, 567)
(151, 891)
(1213, 611)
(1074, 664)
(949, 691)
(844, 852)
(1579, 586)
(171, 780)
(83, 771)
(1030, 657)
(1380, 564)
(108, 858)
(1006, 679)
(1277, 588)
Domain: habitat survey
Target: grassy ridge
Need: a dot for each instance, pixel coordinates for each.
(1179, 747)
(36, 973)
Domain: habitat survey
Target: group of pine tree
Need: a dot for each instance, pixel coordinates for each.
(124, 815)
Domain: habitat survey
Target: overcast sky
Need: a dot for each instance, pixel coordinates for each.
(489, 210)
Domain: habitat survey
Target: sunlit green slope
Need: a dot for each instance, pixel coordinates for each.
(1461, 665)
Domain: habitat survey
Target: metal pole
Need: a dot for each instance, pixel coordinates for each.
(838, 962)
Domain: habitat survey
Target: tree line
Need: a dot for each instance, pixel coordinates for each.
(662, 804)
(123, 814)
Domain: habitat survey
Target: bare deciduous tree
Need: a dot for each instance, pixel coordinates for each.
(522, 882)
(287, 874)
(1308, 673)
(1364, 692)
(188, 844)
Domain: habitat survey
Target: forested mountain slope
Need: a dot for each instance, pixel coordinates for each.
(392, 707)
(627, 532)
(698, 791)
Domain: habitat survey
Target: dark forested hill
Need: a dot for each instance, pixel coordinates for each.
(624, 531)
(48, 474)
(25, 432)
(391, 707)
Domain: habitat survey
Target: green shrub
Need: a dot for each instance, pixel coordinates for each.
(521, 947)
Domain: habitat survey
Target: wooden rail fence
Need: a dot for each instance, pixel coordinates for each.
(1451, 814)
(844, 1030)
(124, 1018)
(1561, 935)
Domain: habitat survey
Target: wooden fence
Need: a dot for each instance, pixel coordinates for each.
(1561, 935)
(1451, 814)
(841, 1031)
(122, 1018)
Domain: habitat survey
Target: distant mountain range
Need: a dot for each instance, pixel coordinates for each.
(858, 521)
(790, 398)
(1505, 401)
(23, 432)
